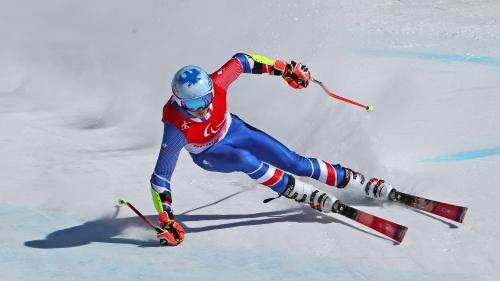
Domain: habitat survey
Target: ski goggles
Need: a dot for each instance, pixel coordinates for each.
(197, 103)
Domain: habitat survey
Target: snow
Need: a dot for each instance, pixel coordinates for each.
(82, 85)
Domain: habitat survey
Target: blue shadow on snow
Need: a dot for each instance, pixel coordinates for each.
(106, 230)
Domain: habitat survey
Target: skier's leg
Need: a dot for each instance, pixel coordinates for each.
(225, 158)
(275, 153)
(293, 188)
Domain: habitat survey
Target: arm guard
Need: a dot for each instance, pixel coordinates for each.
(161, 199)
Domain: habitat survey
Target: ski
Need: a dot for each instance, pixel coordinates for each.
(445, 210)
(390, 229)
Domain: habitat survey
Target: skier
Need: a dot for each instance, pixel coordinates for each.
(196, 118)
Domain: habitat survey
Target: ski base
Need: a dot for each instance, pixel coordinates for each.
(445, 210)
(390, 229)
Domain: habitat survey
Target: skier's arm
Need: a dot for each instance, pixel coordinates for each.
(295, 74)
(172, 143)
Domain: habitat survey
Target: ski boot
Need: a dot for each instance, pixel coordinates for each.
(373, 188)
(305, 193)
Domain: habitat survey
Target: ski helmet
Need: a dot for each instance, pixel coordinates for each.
(192, 88)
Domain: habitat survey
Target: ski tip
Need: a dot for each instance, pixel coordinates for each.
(461, 214)
(400, 233)
(122, 201)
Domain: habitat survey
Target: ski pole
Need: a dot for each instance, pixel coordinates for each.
(122, 202)
(368, 108)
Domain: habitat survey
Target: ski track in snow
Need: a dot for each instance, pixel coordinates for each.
(473, 59)
(466, 155)
(81, 95)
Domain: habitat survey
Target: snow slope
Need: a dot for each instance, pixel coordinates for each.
(82, 85)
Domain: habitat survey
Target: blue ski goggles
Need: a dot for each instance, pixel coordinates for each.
(197, 103)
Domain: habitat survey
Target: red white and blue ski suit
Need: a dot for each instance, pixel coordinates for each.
(222, 142)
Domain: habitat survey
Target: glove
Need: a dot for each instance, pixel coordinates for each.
(173, 232)
(296, 75)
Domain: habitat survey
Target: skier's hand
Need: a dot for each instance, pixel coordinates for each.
(296, 75)
(173, 232)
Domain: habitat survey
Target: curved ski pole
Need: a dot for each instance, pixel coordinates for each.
(368, 108)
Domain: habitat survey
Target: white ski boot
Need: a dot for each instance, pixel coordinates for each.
(308, 194)
(373, 188)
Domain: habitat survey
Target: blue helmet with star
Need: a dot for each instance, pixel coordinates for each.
(191, 82)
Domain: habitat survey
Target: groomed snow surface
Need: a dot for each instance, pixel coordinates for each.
(83, 83)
